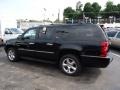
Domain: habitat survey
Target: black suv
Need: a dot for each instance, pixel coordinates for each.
(69, 46)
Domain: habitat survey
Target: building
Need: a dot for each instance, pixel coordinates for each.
(25, 24)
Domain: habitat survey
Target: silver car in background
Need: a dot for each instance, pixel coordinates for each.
(114, 37)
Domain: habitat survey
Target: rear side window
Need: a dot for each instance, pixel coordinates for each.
(111, 34)
(82, 32)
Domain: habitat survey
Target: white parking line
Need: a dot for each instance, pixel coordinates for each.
(116, 55)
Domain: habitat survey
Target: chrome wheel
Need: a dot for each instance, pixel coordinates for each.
(69, 65)
(11, 55)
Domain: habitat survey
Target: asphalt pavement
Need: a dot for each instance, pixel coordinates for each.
(30, 75)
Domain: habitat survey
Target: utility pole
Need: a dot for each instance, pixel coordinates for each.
(83, 17)
(58, 15)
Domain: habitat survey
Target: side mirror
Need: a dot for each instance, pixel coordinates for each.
(19, 37)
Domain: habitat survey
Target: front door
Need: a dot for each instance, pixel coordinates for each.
(26, 45)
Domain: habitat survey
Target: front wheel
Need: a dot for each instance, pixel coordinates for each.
(12, 55)
(70, 65)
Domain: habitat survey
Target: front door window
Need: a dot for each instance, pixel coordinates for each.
(31, 34)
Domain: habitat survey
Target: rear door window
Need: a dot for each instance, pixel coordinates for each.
(46, 33)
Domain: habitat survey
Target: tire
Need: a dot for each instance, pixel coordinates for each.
(70, 65)
(12, 55)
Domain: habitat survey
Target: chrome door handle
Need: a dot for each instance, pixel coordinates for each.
(49, 44)
(31, 43)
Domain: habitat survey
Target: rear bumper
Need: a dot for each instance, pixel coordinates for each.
(96, 61)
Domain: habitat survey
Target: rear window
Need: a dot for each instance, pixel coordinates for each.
(111, 34)
(82, 32)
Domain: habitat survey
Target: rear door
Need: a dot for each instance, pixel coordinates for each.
(46, 46)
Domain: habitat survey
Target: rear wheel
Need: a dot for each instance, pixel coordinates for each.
(70, 64)
(12, 55)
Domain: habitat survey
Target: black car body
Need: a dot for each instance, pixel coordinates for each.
(85, 44)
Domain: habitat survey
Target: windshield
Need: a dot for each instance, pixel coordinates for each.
(15, 31)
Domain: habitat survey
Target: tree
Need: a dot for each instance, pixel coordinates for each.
(115, 11)
(69, 13)
(79, 6)
(118, 7)
(92, 10)
(110, 10)
(88, 10)
(96, 9)
(78, 13)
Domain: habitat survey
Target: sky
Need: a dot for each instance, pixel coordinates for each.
(34, 9)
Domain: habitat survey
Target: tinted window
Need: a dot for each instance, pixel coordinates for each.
(111, 34)
(118, 35)
(46, 34)
(62, 34)
(82, 32)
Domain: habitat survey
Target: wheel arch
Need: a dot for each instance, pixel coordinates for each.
(66, 51)
(8, 46)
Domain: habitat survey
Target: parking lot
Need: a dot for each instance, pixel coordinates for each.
(29, 75)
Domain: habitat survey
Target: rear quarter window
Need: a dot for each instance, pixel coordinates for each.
(82, 32)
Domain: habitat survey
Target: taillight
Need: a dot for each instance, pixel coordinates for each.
(104, 48)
